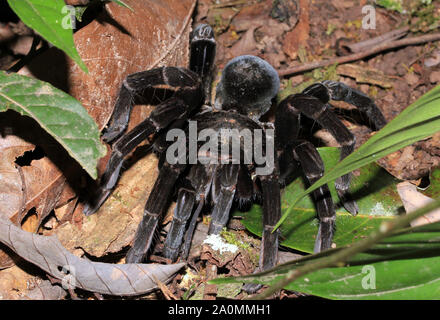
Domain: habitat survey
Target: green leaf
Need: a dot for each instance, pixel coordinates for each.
(398, 279)
(372, 187)
(403, 266)
(418, 121)
(58, 113)
(52, 20)
(122, 4)
(391, 5)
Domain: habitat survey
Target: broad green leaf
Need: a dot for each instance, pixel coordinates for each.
(372, 187)
(58, 113)
(403, 266)
(52, 20)
(395, 279)
(419, 121)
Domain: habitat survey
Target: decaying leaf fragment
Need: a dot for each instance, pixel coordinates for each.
(299, 35)
(365, 75)
(113, 227)
(37, 184)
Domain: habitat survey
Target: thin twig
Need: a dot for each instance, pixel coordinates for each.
(166, 292)
(383, 38)
(386, 229)
(232, 4)
(23, 193)
(360, 55)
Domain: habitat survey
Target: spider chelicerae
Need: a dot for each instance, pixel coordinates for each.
(245, 92)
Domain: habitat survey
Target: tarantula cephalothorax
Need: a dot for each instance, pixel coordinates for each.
(245, 92)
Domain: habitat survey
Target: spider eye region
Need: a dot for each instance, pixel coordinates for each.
(248, 84)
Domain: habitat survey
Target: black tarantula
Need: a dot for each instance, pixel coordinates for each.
(245, 92)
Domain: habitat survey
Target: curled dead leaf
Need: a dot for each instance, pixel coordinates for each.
(413, 200)
(115, 279)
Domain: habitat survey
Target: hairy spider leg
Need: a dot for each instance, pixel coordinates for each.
(341, 92)
(188, 85)
(271, 190)
(154, 208)
(245, 193)
(313, 168)
(178, 79)
(111, 174)
(302, 152)
(338, 91)
(161, 143)
(201, 62)
(271, 215)
(186, 201)
(316, 109)
(203, 47)
(202, 55)
(223, 192)
(192, 195)
(160, 117)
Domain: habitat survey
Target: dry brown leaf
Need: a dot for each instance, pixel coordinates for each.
(6, 259)
(246, 44)
(365, 75)
(114, 225)
(220, 18)
(261, 31)
(37, 187)
(299, 35)
(433, 60)
(250, 15)
(344, 4)
(11, 188)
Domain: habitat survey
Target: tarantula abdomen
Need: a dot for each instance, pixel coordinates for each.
(248, 84)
